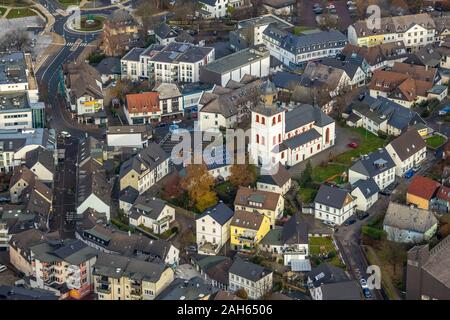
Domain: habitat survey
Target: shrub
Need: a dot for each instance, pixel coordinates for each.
(374, 234)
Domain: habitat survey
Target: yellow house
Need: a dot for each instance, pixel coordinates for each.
(420, 191)
(371, 40)
(247, 229)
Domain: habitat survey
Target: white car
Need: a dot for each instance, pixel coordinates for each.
(350, 3)
(2, 268)
(331, 6)
(65, 134)
(363, 283)
(177, 121)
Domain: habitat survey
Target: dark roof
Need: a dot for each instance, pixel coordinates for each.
(109, 65)
(286, 80)
(220, 213)
(193, 289)
(346, 290)
(42, 156)
(374, 163)
(148, 206)
(248, 270)
(368, 187)
(302, 138)
(164, 31)
(326, 273)
(350, 67)
(150, 158)
(279, 179)
(408, 144)
(332, 196)
(129, 195)
(294, 231)
(304, 114)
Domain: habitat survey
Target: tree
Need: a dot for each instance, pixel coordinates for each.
(172, 188)
(328, 21)
(242, 293)
(15, 40)
(394, 253)
(242, 175)
(306, 177)
(199, 185)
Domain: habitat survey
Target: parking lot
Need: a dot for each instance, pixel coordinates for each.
(307, 17)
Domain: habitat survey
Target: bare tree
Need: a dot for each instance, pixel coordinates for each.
(16, 40)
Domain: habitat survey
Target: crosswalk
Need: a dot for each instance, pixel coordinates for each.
(83, 44)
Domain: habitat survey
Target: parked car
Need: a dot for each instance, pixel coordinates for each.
(178, 121)
(353, 145)
(367, 293)
(363, 283)
(350, 3)
(349, 222)
(2, 268)
(409, 173)
(65, 134)
(444, 111)
(191, 248)
(362, 215)
(416, 168)
(329, 223)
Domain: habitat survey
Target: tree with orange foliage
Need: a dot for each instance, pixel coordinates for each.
(199, 185)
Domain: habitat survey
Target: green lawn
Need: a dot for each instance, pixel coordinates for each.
(2, 11)
(322, 173)
(20, 13)
(435, 141)
(324, 245)
(300, 29)
(307, 194)
(68, 3)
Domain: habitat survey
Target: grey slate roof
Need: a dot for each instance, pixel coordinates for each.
(129, 195)
(279, 179)
(286, 80)
(148, 206)
(326, 273)
(73, 251)
(304, 114)
(294, 231)
(220, 213)
(248, 270)
(193, 289)
(408, 144)
(109, 65)
(302, 138)
(42, 156)
(368, 187)
(331, 196)
(349, 67)
(164, 31)
(150, 157)
(133, 55)
(406, 218)
(346, 290)
(374, 163)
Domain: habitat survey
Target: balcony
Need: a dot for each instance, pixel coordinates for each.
(105, 290)
(247, 237)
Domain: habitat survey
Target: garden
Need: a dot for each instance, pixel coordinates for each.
(322, 249)
(435, 141)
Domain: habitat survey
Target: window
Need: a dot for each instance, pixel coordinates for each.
(282, 155)
(279, 118)
(257, 138)
(263, 120)
(257, 118)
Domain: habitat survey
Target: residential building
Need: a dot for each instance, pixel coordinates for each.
(327, 282)
(14, 219)
(83, 92)
(136, 136)
(354, 66)
(225, 107)
(144, 169)
(443, 198)
(127, 198)
(121, 278)
(142, 108)
(17, 74)
(421, 191)
(408, 151)
(333, 204)
(213, 269)
(248, 62)
(365, 193)
(213, 229)
(14, 145)
(164, 34)
(415, 31)
(113, 241)
(427, 272)
(21, 178)
(408, 224)
(93, 188)
(249, 32)
(379, 56)
(247, 229)
(152, 213)
(130, 64)
(42, 163)
(270, 204)
(170, 100)
(324, 78)
(193, 289)
(109, 69)
(256, 280)
(279, 7)
(295, 50)
(280, 182)
(289, 137)
(377, 165)
(218, 8)
(382, 115)
(120, 33)
(63, 263)
(289, 242)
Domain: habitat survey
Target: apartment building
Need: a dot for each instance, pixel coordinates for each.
(121, 278)
(295, 50)
(63, 263)
(144, 169)
(415, 31)
(247, 229)
(136, 136)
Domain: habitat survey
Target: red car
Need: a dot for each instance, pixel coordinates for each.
(353, 145)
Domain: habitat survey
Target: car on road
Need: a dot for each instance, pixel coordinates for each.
(178, 121)
(444, 111)
(2, 268)
(173, 128)
(367, 293)
(362, 215)
(353, 145)
(409, 174)
(65, 134)
(191, 248)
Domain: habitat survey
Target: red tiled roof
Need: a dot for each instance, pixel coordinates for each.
(444, 193)
(423, 187)
(143, 102)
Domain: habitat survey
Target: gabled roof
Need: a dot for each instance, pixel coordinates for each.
(408, 144)
(423, 187)
(42, 156)
(304, 114)
(279, 179)
(374, 163)
(146, 205)
(326, 273)
(294, 231)
(164, 31)
(247, 220)
(147, 159)
(286, 80)
(221, 213)
(248, 270)
(143, 102)
(257, 199)
(333, 196)
(367, 187)
(408, 218)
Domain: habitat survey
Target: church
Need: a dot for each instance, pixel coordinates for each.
(288, 136)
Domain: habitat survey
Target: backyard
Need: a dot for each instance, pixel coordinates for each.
(435, 141)
(322, 249)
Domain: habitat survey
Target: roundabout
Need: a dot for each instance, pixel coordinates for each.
(85, 24)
